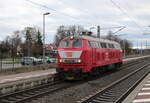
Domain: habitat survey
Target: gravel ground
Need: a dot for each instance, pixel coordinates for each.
(76, 93)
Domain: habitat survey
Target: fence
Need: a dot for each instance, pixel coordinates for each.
(10, 63)
(16, 62)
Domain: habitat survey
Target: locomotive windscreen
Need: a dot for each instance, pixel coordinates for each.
(77, 44)
(67, 44)
(64, 44)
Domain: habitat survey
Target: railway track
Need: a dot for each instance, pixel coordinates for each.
(134, 62)
(118, 90)
(35, 92)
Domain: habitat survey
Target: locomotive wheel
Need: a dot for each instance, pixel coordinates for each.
(117, 66)
(95, 71)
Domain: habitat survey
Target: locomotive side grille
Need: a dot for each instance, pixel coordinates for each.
(70, 54)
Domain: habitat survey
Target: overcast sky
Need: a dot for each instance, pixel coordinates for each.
(134, 14)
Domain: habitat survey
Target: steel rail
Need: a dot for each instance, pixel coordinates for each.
(118, 90)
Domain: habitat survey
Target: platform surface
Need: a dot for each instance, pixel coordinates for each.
(27, 75)
(141, 94)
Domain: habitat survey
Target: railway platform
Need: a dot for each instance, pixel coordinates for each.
(21, 81)
(20, 76)
(141, 94)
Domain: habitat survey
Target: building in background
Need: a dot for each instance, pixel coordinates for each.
(50, 50)
(141, 49)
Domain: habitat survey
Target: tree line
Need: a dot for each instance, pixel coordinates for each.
(26, 42)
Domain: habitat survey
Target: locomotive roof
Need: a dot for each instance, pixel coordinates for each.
(91, 39)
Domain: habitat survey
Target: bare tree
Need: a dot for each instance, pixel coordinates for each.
(5, 47)
(16, 42)
(125, 44)
(64, 31)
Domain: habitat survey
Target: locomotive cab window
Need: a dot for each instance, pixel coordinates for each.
(64, 44)
(77, 43)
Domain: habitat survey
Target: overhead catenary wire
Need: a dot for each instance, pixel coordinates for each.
(44, 6)
(49, 8)
(124, 12)
(59, 12)
(121, 28)
(85, 11)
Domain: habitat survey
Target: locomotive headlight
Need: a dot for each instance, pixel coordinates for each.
(61, 60)
(79, 60)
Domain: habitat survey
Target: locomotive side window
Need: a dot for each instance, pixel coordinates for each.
(92, 44)
(117, 46)
(77, 44)
(89, 44)
(103, 45)
(100, 45)
(64, 44)
(111, 45)
(96, 45)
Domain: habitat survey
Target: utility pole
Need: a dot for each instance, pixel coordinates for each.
(98, 31)
(141, 49)
(145, 47)
(146, 44)
(1, 58)
(137, 47)
(124, 44)
(28, 34)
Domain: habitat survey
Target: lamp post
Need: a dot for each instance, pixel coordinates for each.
(47, 13)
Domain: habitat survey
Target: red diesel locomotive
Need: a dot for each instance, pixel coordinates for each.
(79, 56)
